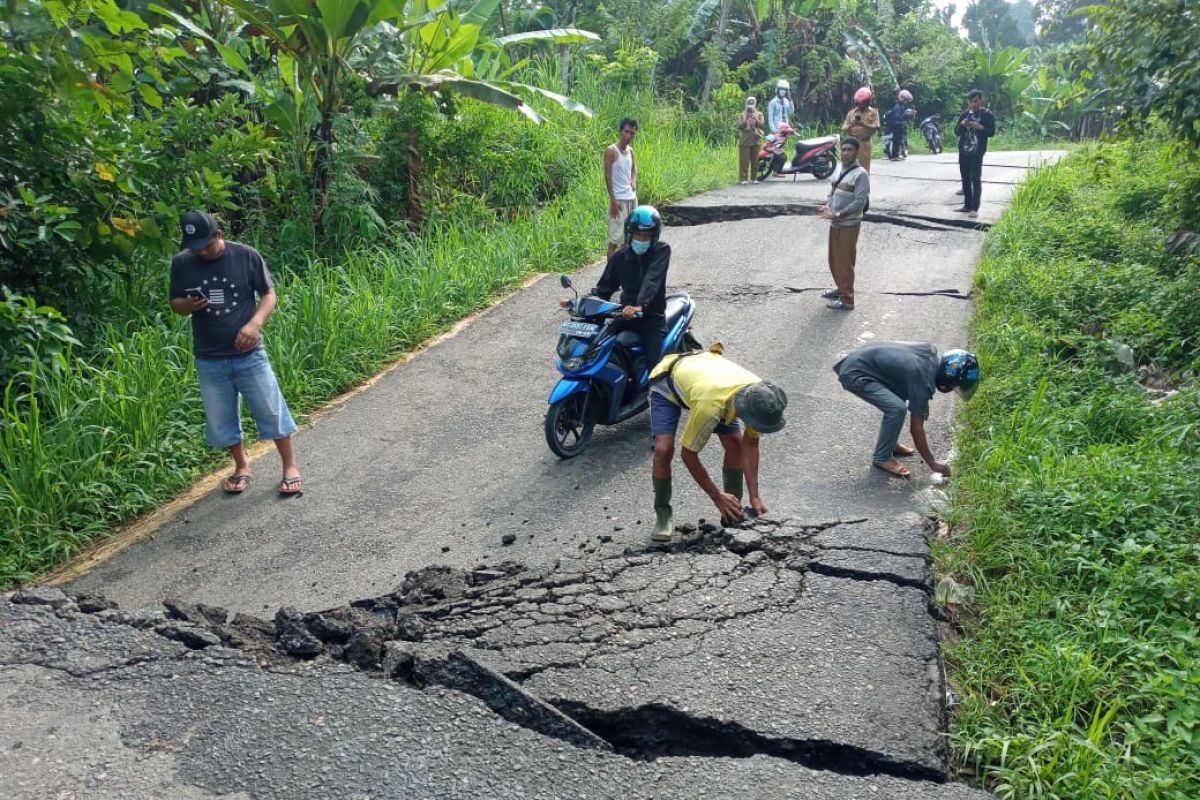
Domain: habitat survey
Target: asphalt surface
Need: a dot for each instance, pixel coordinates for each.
(797, 656)
(102, 710)
(448, 451)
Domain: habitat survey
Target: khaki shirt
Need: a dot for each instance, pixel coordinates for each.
(750, 126)
(860, 130)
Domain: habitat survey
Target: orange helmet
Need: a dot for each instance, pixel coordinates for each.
(863, 95)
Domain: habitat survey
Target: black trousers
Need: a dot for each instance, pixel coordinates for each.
(970, 167)
(899, 140)
(652, 332)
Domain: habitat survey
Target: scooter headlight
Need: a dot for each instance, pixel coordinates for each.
(573, 352)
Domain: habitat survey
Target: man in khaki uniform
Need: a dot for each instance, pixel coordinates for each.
(862, 122)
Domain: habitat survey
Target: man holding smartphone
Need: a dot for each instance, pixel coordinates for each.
(215, 282)
(974, 127)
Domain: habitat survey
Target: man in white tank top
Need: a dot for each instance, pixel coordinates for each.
(620, 175)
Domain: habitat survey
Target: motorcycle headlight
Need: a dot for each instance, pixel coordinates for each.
(574, 353)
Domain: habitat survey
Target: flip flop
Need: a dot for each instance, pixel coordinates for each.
(903, 450)
(239, 482)
(291, 487)
(899, 471)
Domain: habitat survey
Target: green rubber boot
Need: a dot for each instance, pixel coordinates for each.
(662, 511)
(734, 480)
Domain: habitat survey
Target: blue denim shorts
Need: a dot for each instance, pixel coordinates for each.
(665, 415)
(223, 380)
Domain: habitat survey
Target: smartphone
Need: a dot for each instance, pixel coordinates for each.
(858, 117)
(196, 292)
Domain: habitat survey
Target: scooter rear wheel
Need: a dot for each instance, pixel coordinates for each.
(567, 432)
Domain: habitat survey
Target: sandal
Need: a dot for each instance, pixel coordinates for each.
(237, 483)
(830, 294)
(900, 471)
(840, 305)
(291, 487)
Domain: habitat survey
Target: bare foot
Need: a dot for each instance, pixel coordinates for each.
(903, 450)
(893, 467)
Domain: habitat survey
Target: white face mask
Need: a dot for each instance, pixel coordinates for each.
(781, 92)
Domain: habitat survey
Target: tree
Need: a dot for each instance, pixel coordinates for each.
(1062, 21)
(397, 43)
(990, 23)
(1148, 56)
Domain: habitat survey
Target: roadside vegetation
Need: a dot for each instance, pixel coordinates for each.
(399, 164)
(1075, 509)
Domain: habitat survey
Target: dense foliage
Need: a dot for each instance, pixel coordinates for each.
(1075, 505)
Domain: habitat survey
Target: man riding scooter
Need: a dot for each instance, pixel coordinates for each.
(639, 270)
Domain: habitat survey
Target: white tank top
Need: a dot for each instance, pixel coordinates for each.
(622, 174)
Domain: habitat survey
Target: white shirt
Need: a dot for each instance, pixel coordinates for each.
(622, 174)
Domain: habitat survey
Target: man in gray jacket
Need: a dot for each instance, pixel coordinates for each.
(848, 199)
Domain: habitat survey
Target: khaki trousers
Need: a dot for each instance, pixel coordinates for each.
(747, 161)
(843, 252)
(864, 154)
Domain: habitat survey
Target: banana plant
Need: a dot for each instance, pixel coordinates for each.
(394, 43)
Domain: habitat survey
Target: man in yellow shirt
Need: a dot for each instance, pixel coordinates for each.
(719, 396)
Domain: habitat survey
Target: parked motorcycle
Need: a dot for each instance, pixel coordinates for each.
(816, 156)
(606, 375)
(933, 134)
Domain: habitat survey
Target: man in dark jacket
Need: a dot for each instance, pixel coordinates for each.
(974, 127)
(639, 270)
(897, 126)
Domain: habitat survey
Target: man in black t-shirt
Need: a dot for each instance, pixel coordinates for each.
(974, 127)
(215, 282)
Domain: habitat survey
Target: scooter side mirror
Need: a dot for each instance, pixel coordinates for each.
(565, 281)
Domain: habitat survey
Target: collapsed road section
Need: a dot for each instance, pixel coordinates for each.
(781, 657)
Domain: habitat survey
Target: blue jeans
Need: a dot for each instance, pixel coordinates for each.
(224, 381)
(894, 410)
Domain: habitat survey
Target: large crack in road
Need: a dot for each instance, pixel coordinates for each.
(730, 643)
(683, 215)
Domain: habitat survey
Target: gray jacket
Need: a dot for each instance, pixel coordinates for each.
(848, 197)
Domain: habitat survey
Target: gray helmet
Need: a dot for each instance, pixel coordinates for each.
(760, 405)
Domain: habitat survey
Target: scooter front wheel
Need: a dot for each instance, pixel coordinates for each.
(764, 168)
(567, 432)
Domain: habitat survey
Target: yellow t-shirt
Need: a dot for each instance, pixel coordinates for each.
(708, 382)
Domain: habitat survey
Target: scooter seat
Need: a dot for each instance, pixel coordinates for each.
(628, 338)
(677, 305)
(808, 144)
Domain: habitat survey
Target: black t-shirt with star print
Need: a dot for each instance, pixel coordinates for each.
(230, 283)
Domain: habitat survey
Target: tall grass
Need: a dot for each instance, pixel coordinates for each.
(1075, 506)
(105, 439)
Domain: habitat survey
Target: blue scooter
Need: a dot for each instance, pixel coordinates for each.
(606, 375)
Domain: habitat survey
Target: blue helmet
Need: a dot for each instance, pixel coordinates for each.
(643, 219)
(958, 369)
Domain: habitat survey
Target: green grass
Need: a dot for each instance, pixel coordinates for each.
(114, 436)
(1076, 507)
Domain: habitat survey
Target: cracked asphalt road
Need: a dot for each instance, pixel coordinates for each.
(798, 656)
(447, 450)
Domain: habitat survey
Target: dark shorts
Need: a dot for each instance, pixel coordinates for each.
(665, 416)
